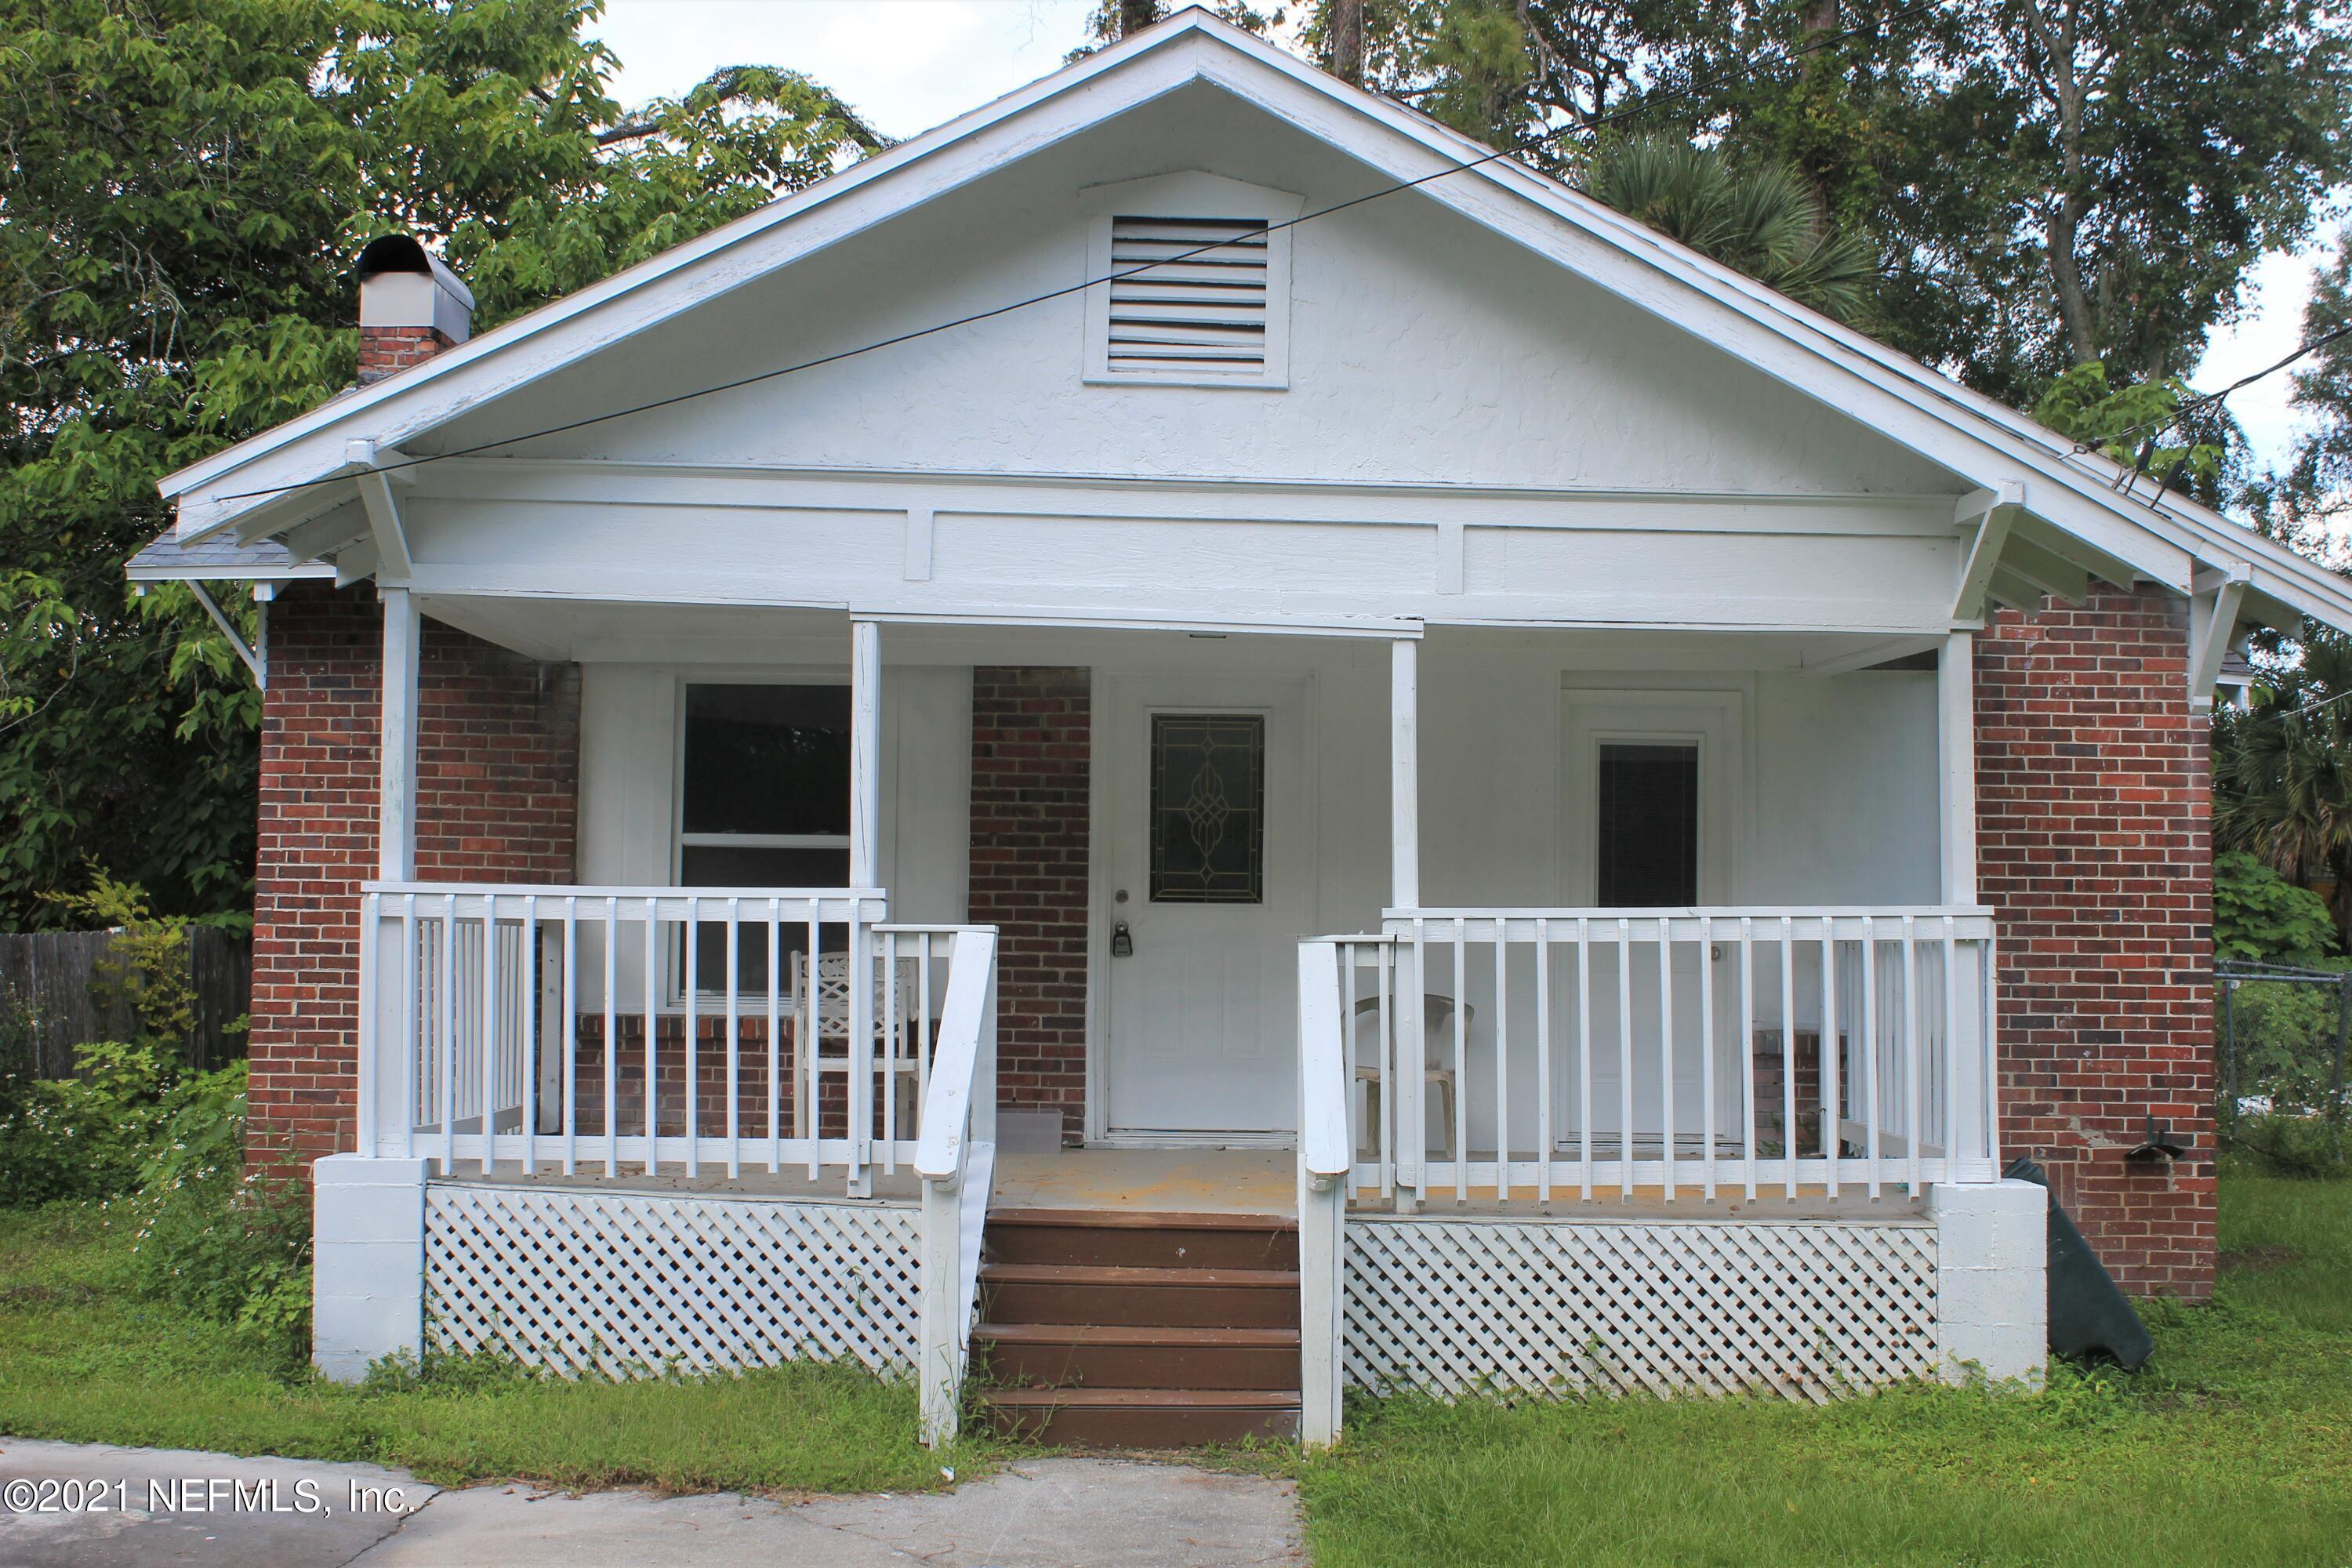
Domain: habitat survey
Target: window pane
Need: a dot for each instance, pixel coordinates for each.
(1649, 827)
(767, 759)
(1208, 808)
(706, 866)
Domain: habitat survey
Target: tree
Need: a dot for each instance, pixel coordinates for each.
(2282, 773)
(2109, 171)
(2050, 182)
(1764, 220)
(184, 184)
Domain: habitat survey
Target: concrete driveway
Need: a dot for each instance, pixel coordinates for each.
(65, 1505)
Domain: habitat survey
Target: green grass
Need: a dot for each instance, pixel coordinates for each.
(2234, 1444)
(84, 1359)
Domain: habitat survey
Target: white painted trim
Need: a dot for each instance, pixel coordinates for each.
(1992, 512)
(2215, 609)
(864, 753)
(1716, 721)
(256, 660)
(1190, 193)
(1405, 773)
(1956, 766)
(396, 800)
(920, 521)
(1930, 414)
(392, 564)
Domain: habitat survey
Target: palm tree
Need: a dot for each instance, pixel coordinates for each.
(2283, 773)
(1762, 220)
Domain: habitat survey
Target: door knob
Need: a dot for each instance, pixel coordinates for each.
(1122, 941)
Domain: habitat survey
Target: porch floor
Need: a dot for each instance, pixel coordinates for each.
(1213, 1181)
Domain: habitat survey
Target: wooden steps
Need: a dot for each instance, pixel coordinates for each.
(1114, 1329)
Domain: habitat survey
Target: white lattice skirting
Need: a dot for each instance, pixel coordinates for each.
(1808, 1310)
(631, 1284)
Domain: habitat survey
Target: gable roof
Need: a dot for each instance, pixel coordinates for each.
(271, 481)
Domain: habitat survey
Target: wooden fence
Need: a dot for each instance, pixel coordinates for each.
(57, 974)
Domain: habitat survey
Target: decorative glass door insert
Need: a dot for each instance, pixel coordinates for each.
(1208, 808)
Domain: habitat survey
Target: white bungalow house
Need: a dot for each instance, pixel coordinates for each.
(1235, 752)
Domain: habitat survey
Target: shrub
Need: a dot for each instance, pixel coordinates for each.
(2259, 915)
(82, 1137)
(166, 1151)
(2291, 1144)
(219, 1238)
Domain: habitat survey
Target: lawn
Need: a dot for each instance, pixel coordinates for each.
(83, 1358)
(2234, 1444)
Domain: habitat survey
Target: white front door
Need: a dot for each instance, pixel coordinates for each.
(1209, 863)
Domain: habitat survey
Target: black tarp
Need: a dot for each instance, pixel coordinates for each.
(2089, 1314)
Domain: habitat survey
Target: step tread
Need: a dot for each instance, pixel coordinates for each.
(1137, 1219)
(1283, 1399)
(1108, 1274)
(1138, 1334)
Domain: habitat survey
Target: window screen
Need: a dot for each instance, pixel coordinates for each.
(1648, 827)
(764, 803)
(1208, 808)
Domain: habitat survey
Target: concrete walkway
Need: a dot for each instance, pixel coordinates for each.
(65, 1505)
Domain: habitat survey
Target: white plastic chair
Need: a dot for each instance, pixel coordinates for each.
(1437, 1047)
(897, 1052)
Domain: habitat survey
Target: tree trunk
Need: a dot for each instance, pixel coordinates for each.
(1346, 30)
(2066, 280)
(1134, 15)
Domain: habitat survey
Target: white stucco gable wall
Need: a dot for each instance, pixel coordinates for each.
(1425, 349)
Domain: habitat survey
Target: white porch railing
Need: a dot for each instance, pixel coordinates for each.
(612, 1030)
(1836, 1052)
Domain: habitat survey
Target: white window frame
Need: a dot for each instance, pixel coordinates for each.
(680, 840)
(1190, 194)
(1714, 721)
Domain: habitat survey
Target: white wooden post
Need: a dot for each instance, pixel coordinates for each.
(396, 802)
(864, 753)
(1404, 893)
(1404, 774)
(939, 1377)
(1325, 1157)
(1956, 766)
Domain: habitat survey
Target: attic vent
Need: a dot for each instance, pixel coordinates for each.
(1204, 314)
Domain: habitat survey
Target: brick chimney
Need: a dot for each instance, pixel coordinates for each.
(411, 307)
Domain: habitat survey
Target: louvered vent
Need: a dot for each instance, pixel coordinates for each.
(1205, 312)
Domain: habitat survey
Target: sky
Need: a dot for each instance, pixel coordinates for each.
(909, 65)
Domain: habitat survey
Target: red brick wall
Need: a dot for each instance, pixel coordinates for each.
(2093, 808)
(498, 772)
(1031, 783)
(384, 350)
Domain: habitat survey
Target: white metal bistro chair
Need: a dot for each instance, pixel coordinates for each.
(896, 1050)
(1437, 1049)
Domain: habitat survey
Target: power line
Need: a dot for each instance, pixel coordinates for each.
(2207, 399)
(1812, 45)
